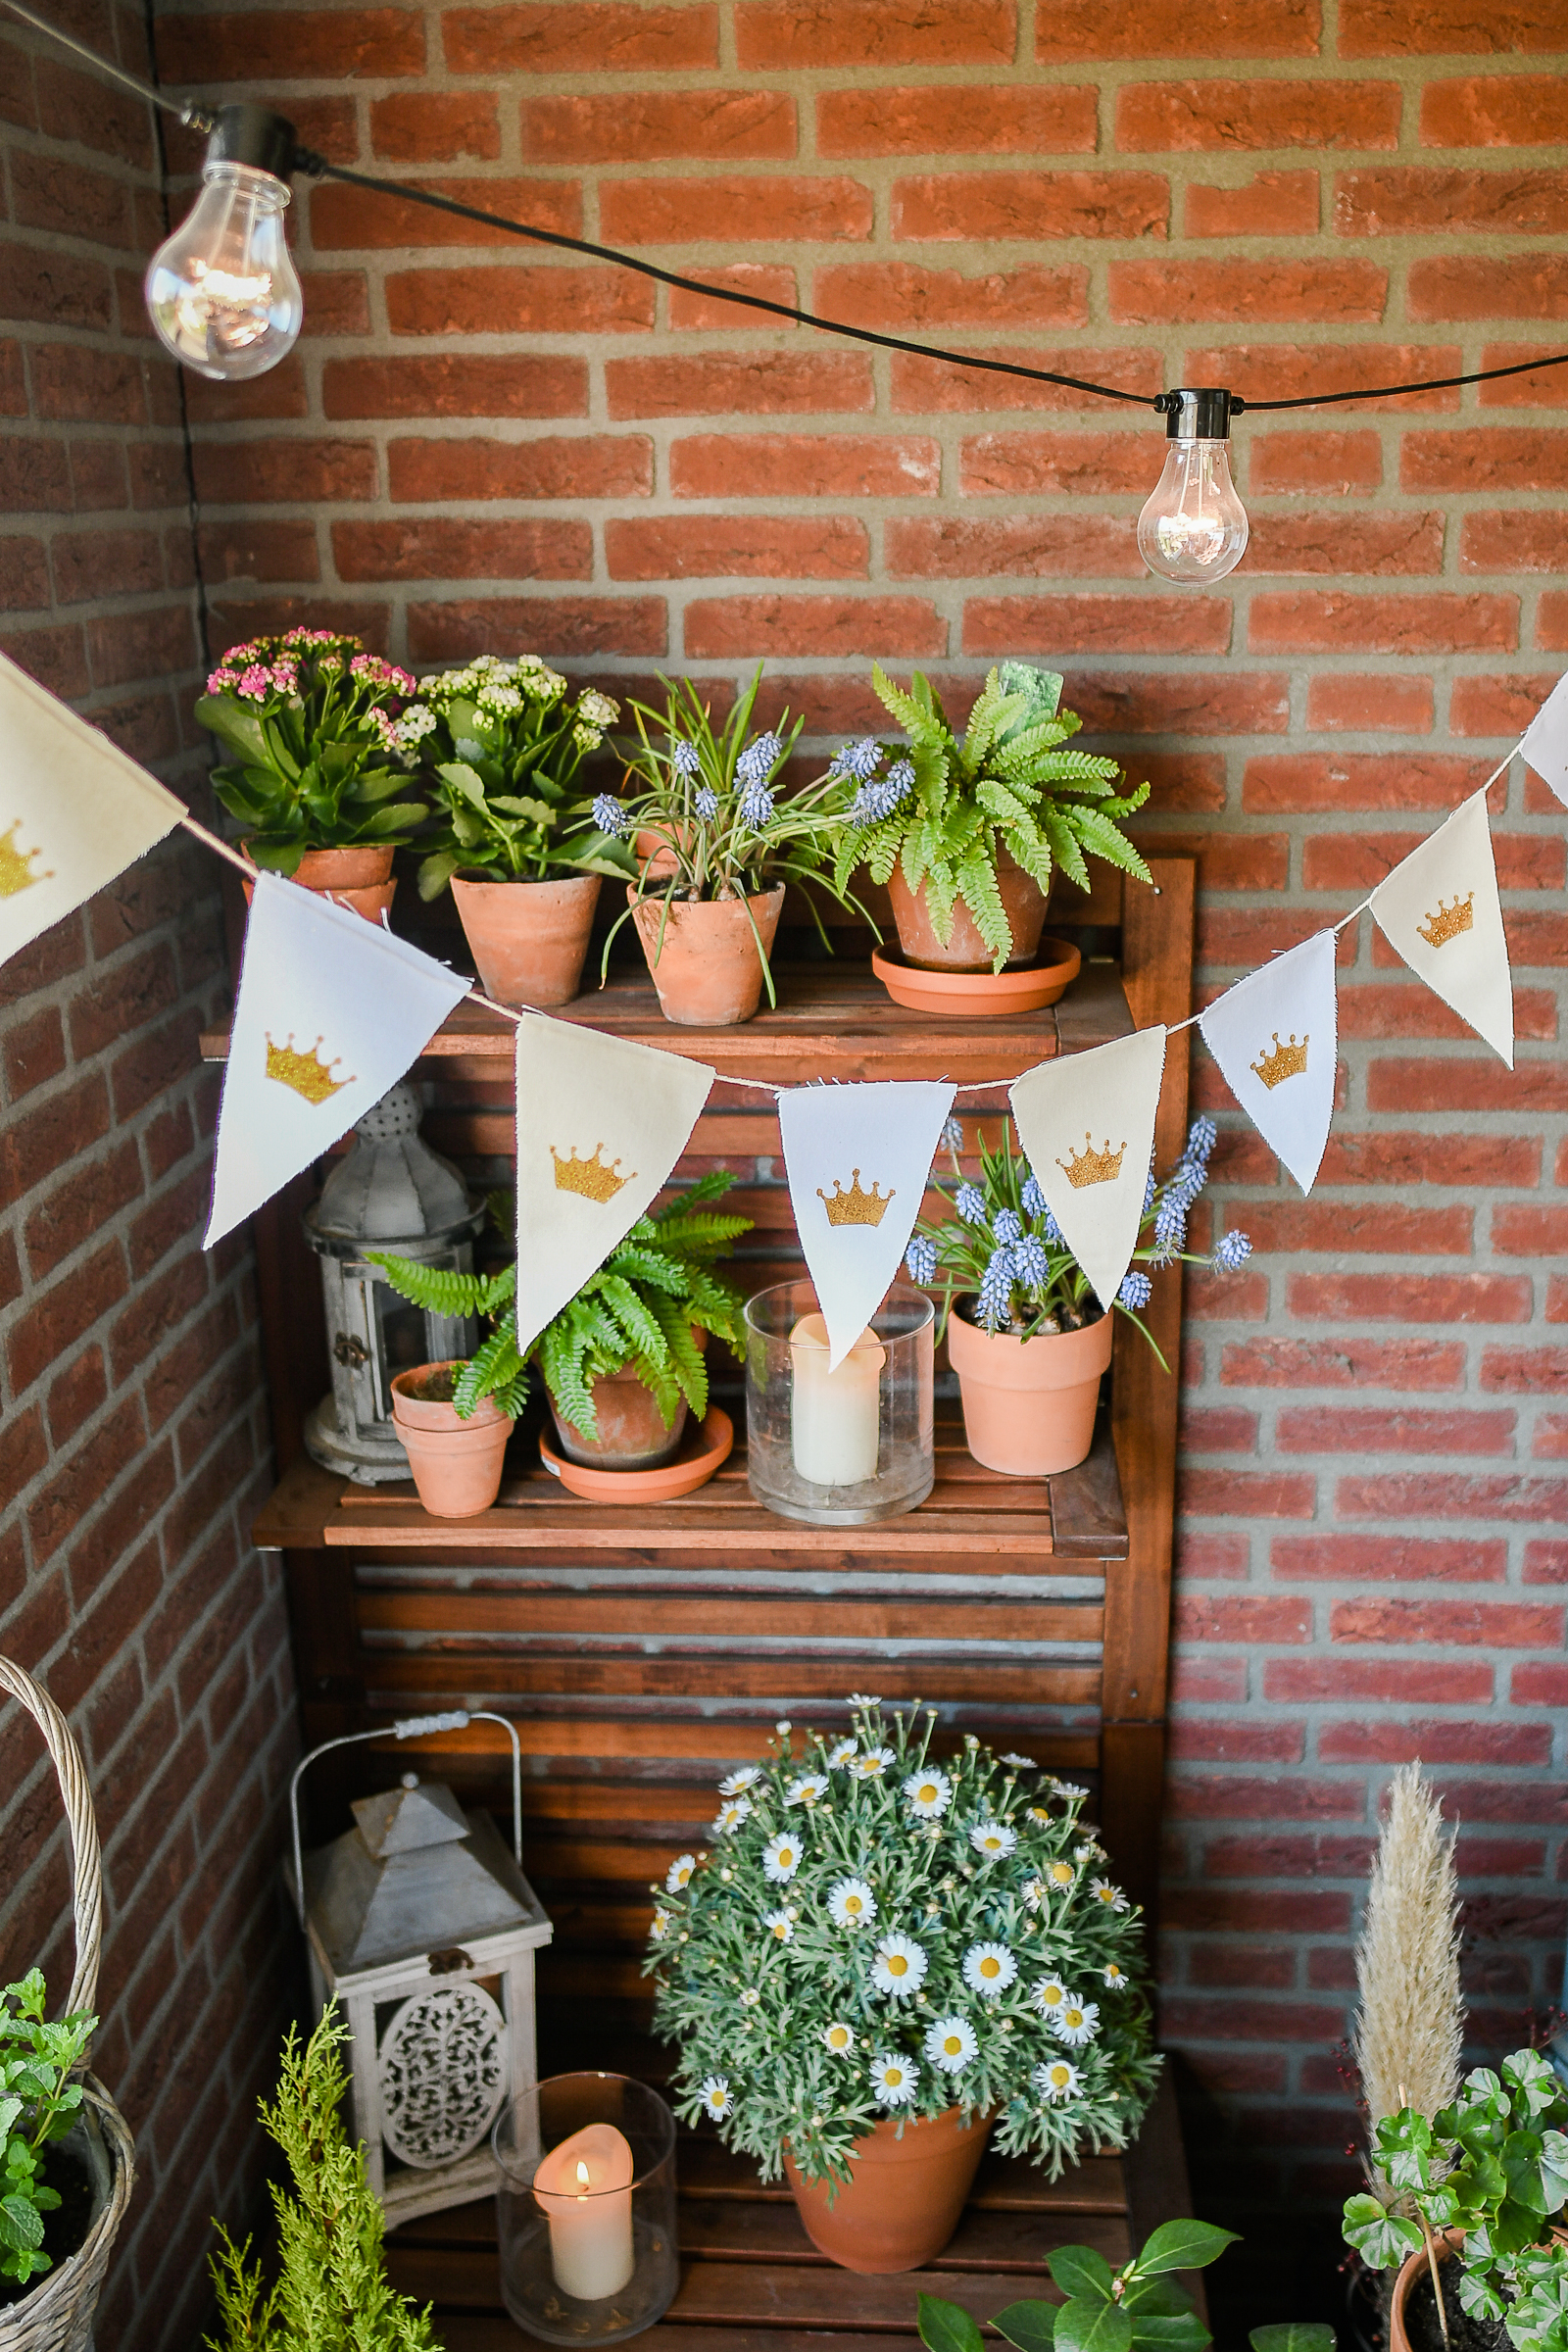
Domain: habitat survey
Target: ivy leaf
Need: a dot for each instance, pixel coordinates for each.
(1032, 2327)
(1184, 2246)
(1553, 2169)
(1380, 2239)
(1093, 2327)
(947, 2326)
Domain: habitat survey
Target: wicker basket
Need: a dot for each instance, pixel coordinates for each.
(56, 2315)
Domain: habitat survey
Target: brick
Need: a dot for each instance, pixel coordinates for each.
(1248, 1494)
(55, 290)
(909, 299)
(718, 547)
(1280, 1796)
(141, 643)
(1152, 117)
(804, 465)
(24, 574)
(344, 217)
(1409, 1298)
(1340, 1226)
(298, 43)
(436, 127)
(58, 1316)
(1288, 371)
(1495, 706)
(1493, 109)
(452, 548)
(1386, 1429)
(1482, 458)
(1511, 541)
(83, 1199)
(738, 383)
(939, 385)
(595, 466)
(1032, 546)
(1251, 1967)
(70, 198)
(1009, 205)
(1401, 543)
(1414, 1083)
(1356, 861)
(1251, 1618)
(1541, 387)
(1394, 200)
(1026, 465)
(1388, 1682)
(1552, 622)
(1218, 1429)
(1054, 120)
(73, 382)
(1481, 1624)
(1434, 1495)
(1528, 1232)
(265, 472)
(496, 300)
(1308, 621)
(769, 281)
(1182, 703)
(894, 627)
(1549, 1445)
(1344, 1362)
(1272, 203)
(1097, 29)
(34, 1050)
(454, 387)
(1460, 287)
(1382, 29)
(817, 33)
(557, 625)
(54, 1132)
(647, 126)
(1523, 1371)
(1158, 293)
(1537, 1686)
(97, 564)
(813, 207)
(257, 550)
(1377, 703)
(1080, 624)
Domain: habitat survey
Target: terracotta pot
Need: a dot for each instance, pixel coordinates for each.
(905, 2198)
(456, 1463)
(706, 968)
(652, 847)
(631, 1428)
(1022, 898)
(1029, 1405)
(528, 937)
(360, 877)
(1414, 2267)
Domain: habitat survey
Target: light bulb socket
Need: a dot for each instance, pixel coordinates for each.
(254, 136)
(1200, 412)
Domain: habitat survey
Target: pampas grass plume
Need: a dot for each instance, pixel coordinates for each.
(1410, 2026)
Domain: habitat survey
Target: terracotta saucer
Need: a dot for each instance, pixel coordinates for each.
(1023, 990)
(700, 1452)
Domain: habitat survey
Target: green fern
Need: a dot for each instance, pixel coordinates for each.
(496, 1370)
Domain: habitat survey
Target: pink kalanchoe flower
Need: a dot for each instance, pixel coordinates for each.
(254, 683)
(218, 679)
(285, 675)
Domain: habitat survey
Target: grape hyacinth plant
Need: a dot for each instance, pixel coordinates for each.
(1005, 1256)
(322, 735)
(877, 1933)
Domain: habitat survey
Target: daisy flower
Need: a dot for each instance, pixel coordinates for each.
(1060, 1874)
(807, 1789)
(842, 1752)
(839, 2038)
(852, 1904)
(1050, 1997)
(863, 1698)
(740, 1781)
(661, 1923)
(1116, 1977)
(1075, 2022)
(893, 2079)
(1087, 1853)
(873, 1762)
(714, 2095)
(899, 1968)
(988, 1967)
(779, 1926)
(781, 1857)
(930, 1793)
(679, 1872)
(729, 1816)
(1111, 1896)
(750, 1998)
(1070, 1789)
(1036, 1893)
(1058, 2080)
(1020, 1763)
(993, 1838)
(949, 2043)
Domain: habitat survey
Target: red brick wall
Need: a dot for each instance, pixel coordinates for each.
(133, 1432)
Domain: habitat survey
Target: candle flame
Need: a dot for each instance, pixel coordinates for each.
(584, 2178)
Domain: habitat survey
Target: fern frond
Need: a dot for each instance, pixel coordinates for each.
(977, 880)
(1005, 806)
(1097, 833)
(494, 1368)
(561, 1352)
(437, 1290)
(981, 732)
(702, 1235)
(1064, 842)
(685, 1358)
(914, 721)
(631, 1316)
(710, 1187)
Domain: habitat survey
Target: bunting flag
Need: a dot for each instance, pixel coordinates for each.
(74, 812)
(601, 1123)
(1275, 1036)
(1546, 748)
(857, 1159)
(1440, 908)
(332, 1011)
(1095, 1188)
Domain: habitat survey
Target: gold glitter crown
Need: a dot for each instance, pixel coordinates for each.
(1286, 1061)
(1090, 1166)
(15, 864)
(307, 1073)
(589, 1177)
(854, 1208)
(1449, 921)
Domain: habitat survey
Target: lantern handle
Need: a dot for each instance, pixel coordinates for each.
(410, 1726)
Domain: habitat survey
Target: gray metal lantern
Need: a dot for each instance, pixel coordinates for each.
(391, 1192)
(422, 1928)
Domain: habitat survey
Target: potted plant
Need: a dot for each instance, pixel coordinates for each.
(515, 836)
(1026, 1335)
(716, 845)
(967, 834)
(50, 2194)
(884, 1959)
(320, 743)
(455, 1419)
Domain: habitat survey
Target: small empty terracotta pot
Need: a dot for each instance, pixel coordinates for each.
(631, 1429)
(1029, 1405)
(702, 954)
(528, 937)
(456, 1463)
(1023, 903)
(360, 877)
(905, 2198)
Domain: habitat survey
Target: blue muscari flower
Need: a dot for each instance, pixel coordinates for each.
(857, 760)
(996, 1289)
(706, 801)
(756, 764)
(610, 814)
(1202, 1137)
(879, 797)
(920, 1259)
(1007, 1225)
(952, 1134)
(1149, 1192)
(756, 805)
(1231, 1251)
(1033, 1199)
(1030, 1263)
(1136, 1291)
(1171, 1230)
(684, 757)
(971, 1203)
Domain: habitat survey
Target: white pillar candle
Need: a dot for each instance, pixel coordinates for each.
(835, 1417)
(585, 2188)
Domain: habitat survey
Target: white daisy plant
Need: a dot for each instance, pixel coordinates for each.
(729, 1816)
(874, 1939)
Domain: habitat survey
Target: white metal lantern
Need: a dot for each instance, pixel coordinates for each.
(422, 1928)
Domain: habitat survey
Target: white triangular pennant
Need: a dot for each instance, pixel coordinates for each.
(74, 812)
(1545, 744)
(1440, 908)
(332, 1011)
(601, 1122)
(857, 1159)
(1285, 1089)
(1095, 1188)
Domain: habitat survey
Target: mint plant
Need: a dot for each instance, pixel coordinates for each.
(38, 2103)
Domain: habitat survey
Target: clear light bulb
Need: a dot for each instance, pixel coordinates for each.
(1194, 527)
(223, 291)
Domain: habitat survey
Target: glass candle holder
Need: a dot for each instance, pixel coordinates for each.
(585, 2208)
(839, 1448)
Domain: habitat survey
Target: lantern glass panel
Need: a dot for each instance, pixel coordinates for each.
(839, 1448)
(599, 2262)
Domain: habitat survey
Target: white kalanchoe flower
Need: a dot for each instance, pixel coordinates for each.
(504, 699)
(930, 1793)
(842, 1752)
(807, 1789)
(781, 1857)
(1075, 2022)
(988, 1967)
(739, 1782)
(1111, 1896)
(950, 2043)
(780, 1925)
(839, 2038)
(873, 1762)
(852, 1904)
(1050, 1997)
(1058, 2080)
(1020, 1763)
(716, 2097)
(729, 1817)
(661, 1924)
(679, 1872)
(899, 1968)
(994, 1840)
(598, 710)
(1116, 1977)
(893, 2079)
